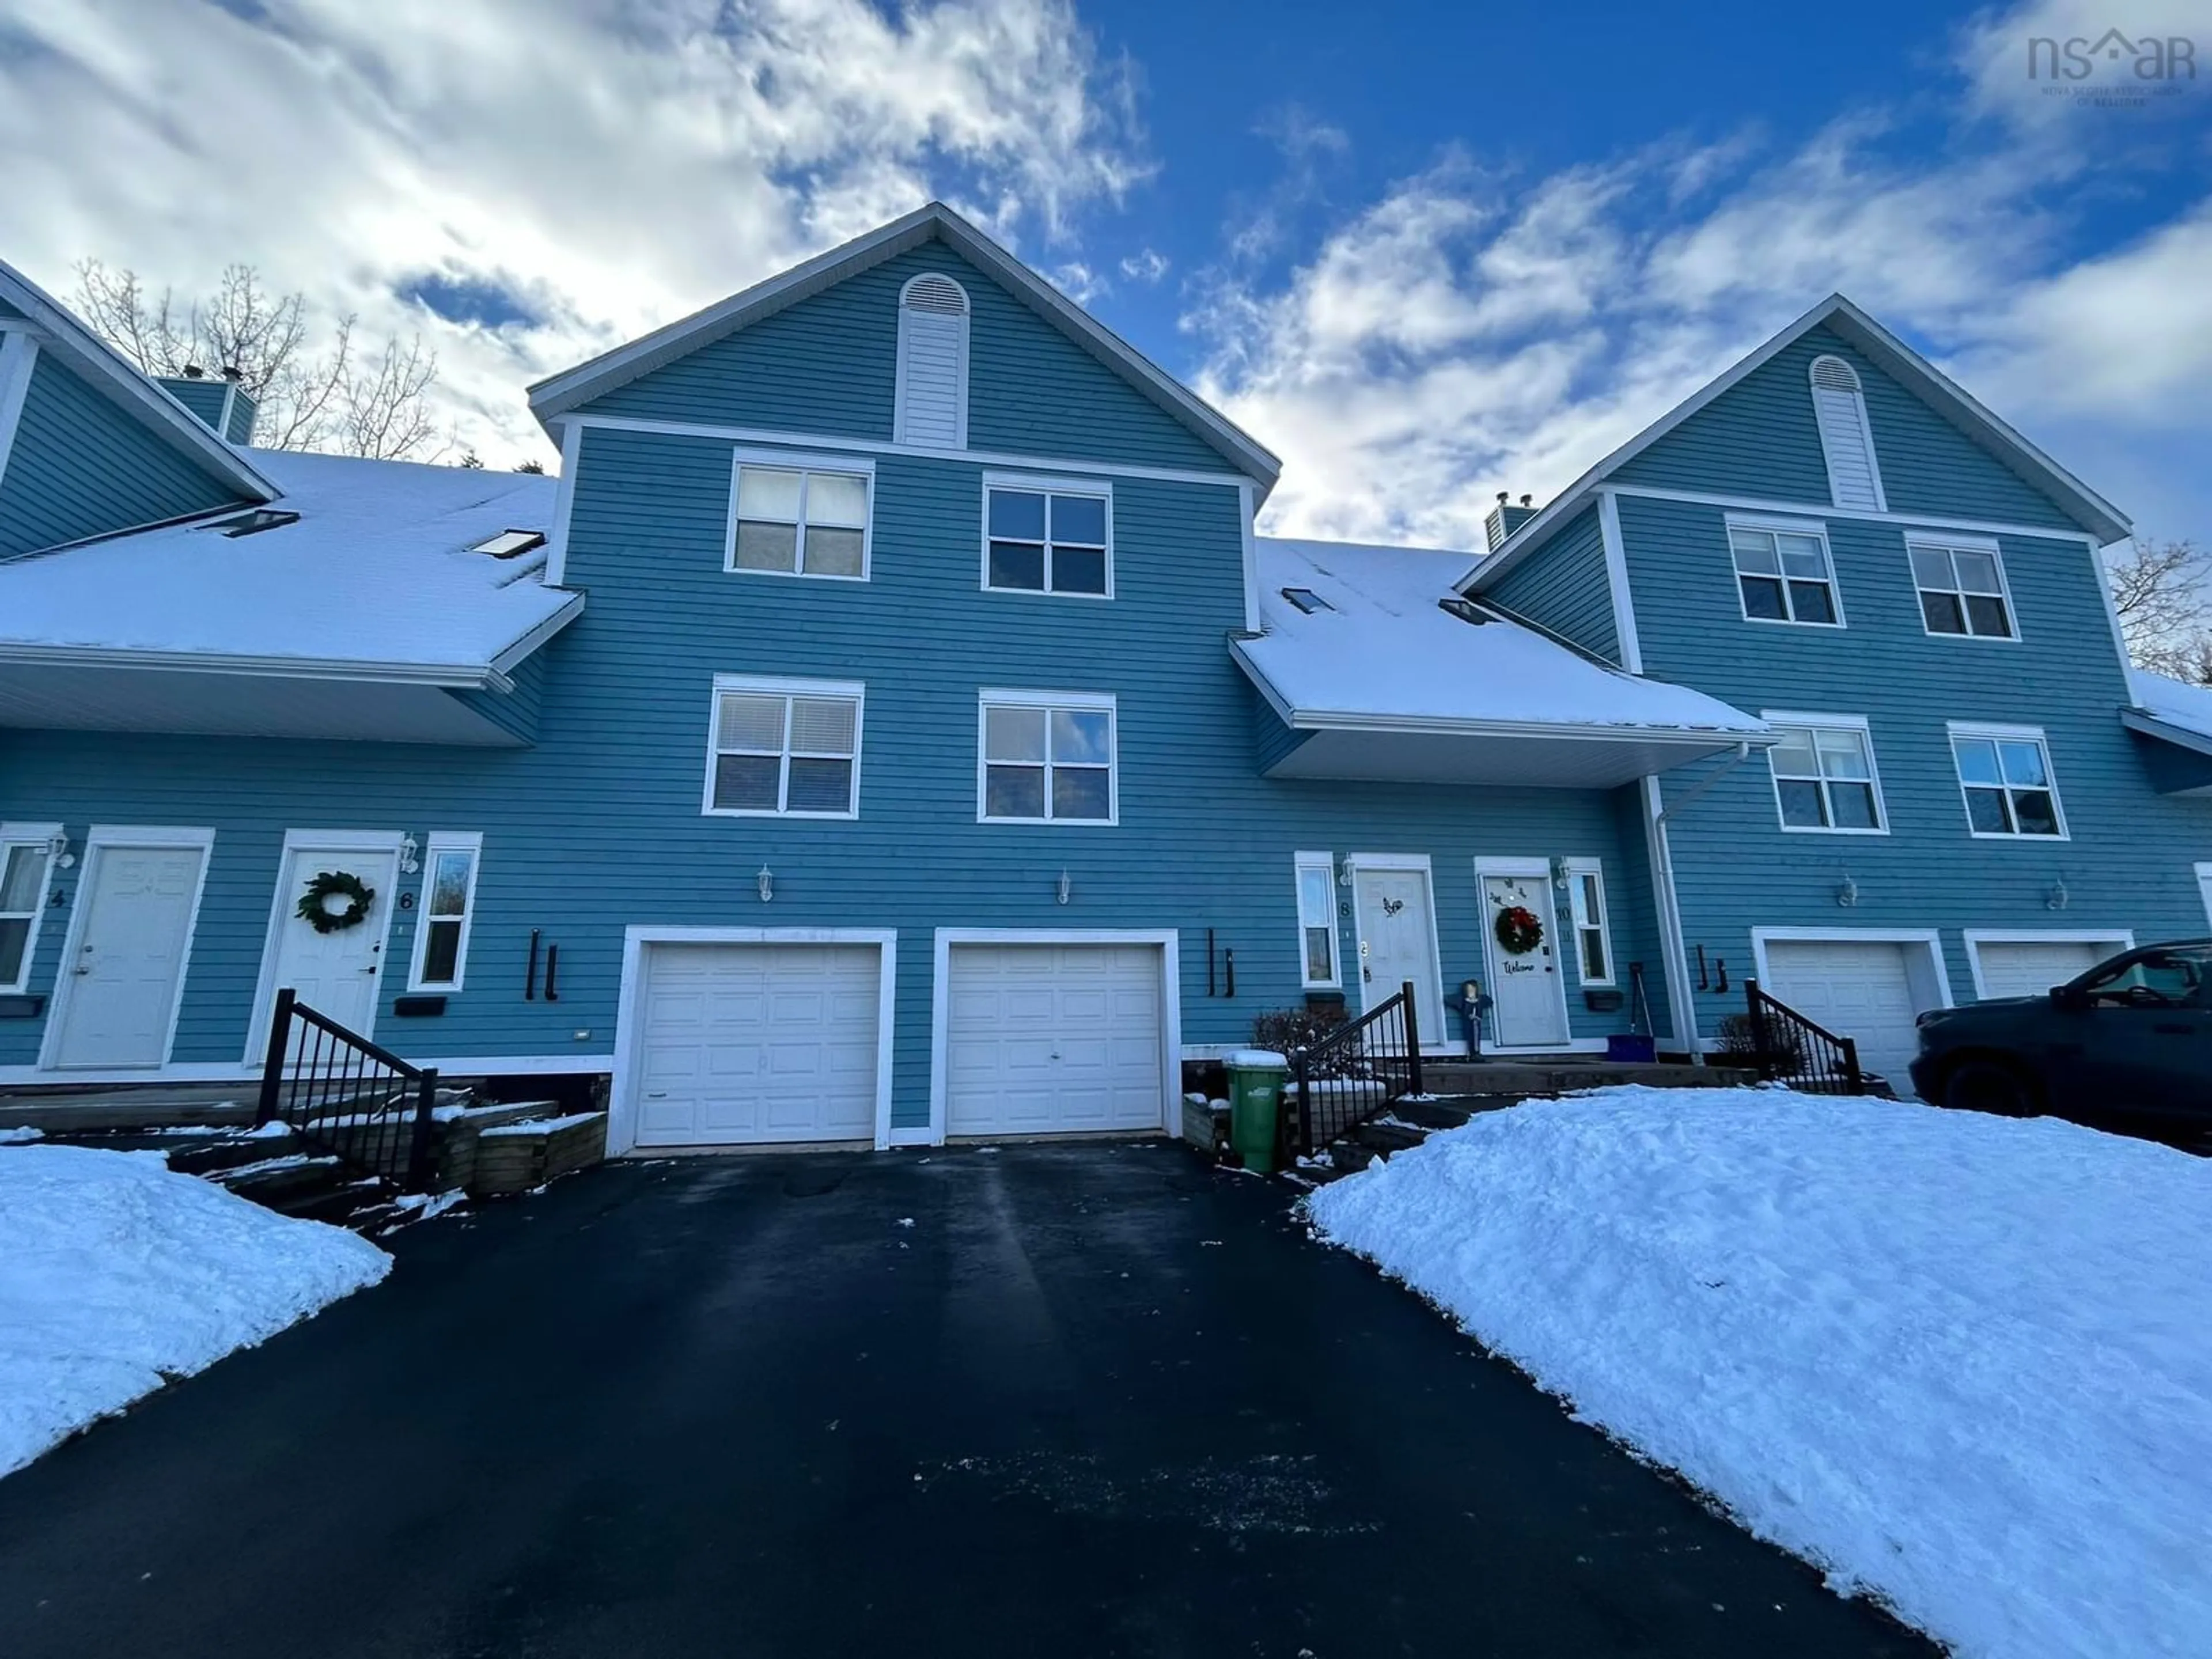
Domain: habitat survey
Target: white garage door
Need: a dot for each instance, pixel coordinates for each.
(1858, 989)
(1040, 1038)
(757, 1042)
(2020, 968)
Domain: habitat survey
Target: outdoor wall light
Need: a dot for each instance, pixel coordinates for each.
(1560, 874)
(1344, 873)
(766, 882)
(1064, 887)
(409, 855)
(2057, 898)
(1847, 892)
(57, 849)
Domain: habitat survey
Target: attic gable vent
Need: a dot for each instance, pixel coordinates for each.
(931, 397)
(1846, 440)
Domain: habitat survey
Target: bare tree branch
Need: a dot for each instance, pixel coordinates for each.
(2160, 591)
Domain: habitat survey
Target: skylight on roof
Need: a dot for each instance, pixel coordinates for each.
(511, 543)
(1307, 600)
(253, 523)
(1465, 609)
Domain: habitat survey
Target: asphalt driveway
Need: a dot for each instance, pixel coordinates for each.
(1068, 1400)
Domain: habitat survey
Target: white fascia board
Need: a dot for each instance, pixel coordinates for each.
(507, 661)
(552, 397)
(2151, 726)
(472, 676)
(2097, 515)
(54, 325)
(1327, 719)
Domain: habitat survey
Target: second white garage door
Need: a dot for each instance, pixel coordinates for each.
(1861, 989)
(1046, 1038)
(2023, 967)
(740, 1043)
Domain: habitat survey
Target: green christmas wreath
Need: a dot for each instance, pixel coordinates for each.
(1518, 930)
(314, 904)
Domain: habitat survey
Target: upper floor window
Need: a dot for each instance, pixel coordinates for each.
(1586, 907)
(449, 905)
(1783, 573)
(1055, 539)
(1846, 439)
(930, 398)
(2005, 772)
(787, 748)
(1047, 757)
(24, 852)
(799, 520)
(1317, 948)
(1962, 589)
(1824, 776)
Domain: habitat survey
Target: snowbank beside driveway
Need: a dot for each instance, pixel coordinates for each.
(1961, 1362)
(117, 1275)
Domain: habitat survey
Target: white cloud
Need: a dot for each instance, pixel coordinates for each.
(609, 166)
(1146, 265)
(2060, 84)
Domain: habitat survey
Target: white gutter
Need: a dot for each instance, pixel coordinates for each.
(1675, 954)
(472, 676)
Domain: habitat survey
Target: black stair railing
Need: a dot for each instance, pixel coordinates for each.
(1357, 1072)
(1788, 1048)
(348, 1098)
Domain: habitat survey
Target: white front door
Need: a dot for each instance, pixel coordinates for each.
(338, 973)
(119, 990)
(1398, 943)
(741, 1043)
(1043, 1039)
(1528, 991)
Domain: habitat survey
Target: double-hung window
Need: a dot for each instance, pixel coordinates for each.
(449, 905)
(784, 748)
(1783, 573)
(1586, 905)
(1317, 947)
(1048, 538)
(2005, 772)
(791, 520)
(1823, 775)
(24, 857)
(1962, 588)
(1047, 758)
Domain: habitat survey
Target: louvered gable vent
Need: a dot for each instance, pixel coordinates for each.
(1839, 407)
(933, 364)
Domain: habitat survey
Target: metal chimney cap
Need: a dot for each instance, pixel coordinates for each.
(194, 372)
(233, 373)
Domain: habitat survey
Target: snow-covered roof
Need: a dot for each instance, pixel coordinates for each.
(1385, 653)
(376, 580)
(2175, 702)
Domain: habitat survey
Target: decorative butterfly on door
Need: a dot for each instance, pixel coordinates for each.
(1391, 907)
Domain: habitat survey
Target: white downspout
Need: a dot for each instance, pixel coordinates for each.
(1677, 953)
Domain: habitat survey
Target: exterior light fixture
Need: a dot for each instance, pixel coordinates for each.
(409, 852)
(1847, 892)
(1560, 874)
(57, 849)
(2057, 898)
(766, 882)
(1064, 887)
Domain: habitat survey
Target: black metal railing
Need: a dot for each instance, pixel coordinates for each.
(1788, 1048)
(1357, 1072)
(348, 1098)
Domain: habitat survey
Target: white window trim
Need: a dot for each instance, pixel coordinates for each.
(768, 686)
(1038, 482)
(1785, 528)
(1840, 722)
(2119, 938)
(41, 836)
(1866, 433)
(791, 461)
(1938, 541)
(898, 379)
(1326, 863)
(446, 841)
(1594, 868)
(2010, 734)
(1004, 697)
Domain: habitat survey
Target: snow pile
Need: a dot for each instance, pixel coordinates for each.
(117, 1275)
(1964, 1363)
(1381, 646)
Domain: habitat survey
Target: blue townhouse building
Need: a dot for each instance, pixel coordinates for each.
(890, 726)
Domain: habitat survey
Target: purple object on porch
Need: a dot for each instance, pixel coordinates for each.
(1639, 1049)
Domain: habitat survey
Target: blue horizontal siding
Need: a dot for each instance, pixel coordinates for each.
(1272, 740)
(1563, 584)
(2128, 865)
(203, 397)
(829, 364)
(1760, 438)
(82, 467)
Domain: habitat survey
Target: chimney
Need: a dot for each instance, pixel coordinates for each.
(223, 406)
(1504, 518)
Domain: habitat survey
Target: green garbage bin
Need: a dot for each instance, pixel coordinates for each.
(1256, 1095)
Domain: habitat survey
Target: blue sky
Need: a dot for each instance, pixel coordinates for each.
(1425, 254)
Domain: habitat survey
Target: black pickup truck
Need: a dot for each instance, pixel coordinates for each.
(2130, 1041)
